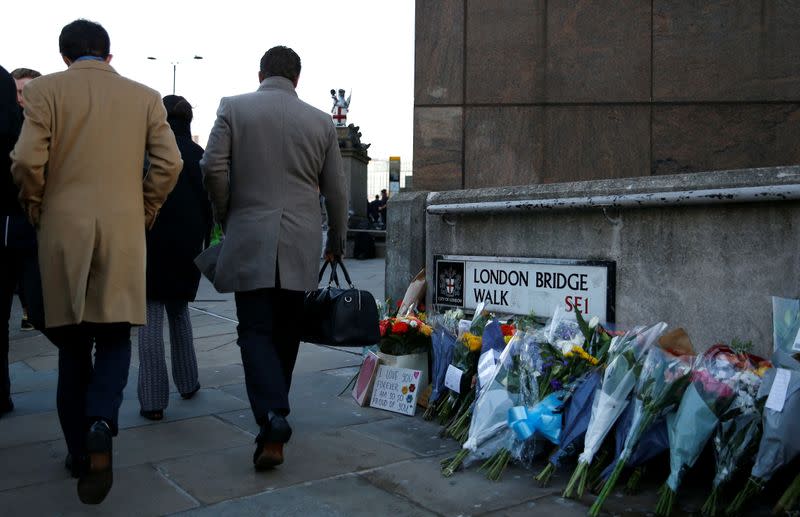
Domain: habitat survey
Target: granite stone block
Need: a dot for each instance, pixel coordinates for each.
(730, 50)
(505, 146)
(439, 52)
(598, 51)
(691, 138)
(438, 143)
(596, 142)
(505, 51)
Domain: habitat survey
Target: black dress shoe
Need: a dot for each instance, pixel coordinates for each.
(75, 467)
(152, 415)
(187, 396)
(95, 482)
(269, 442)
(6, 407)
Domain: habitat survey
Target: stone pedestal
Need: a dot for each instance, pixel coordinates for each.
(354, 163)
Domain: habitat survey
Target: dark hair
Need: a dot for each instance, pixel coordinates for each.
(178, 108)
(84, 38)
(281, 61)
(25, 73)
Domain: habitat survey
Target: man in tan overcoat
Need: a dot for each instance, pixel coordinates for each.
(268, 157)
(78, 164)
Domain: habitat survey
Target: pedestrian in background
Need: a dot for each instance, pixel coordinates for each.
(78, 163)
(268, 158)
(180, 233)
(19, 239)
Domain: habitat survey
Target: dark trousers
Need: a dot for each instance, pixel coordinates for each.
(269, 337)
(12, 263)
(90, 391)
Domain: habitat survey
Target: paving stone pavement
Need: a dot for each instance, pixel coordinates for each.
(343, 459)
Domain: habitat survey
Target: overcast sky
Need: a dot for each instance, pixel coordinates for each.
(366, 46)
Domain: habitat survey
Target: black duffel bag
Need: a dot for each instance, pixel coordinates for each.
(340, 317)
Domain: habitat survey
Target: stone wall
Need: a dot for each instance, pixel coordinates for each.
(515, 92)
(710, 269)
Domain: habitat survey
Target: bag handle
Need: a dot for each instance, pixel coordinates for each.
(333, 277)
(344, 270)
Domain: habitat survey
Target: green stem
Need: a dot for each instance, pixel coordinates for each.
(544, 476)
(752, 487)
(499, 466)
(710, 506)
(455, 463)
(578, 477)
(608, 487)
(666, 501)
(790, 498)
(632, 486)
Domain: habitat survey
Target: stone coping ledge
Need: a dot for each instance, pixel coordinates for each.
(768, 176)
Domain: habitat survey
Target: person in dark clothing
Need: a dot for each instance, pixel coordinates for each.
(18, 245)
(178, 236)
(372, 210)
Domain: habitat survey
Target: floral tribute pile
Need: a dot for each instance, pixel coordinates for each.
(571, 394)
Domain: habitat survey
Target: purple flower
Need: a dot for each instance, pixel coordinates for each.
(555, 384)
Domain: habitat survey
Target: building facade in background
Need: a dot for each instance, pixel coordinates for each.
(514, 92)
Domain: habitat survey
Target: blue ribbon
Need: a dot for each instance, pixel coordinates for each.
(544, 418)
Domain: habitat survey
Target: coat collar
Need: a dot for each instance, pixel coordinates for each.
(94, 65)
(277, 83)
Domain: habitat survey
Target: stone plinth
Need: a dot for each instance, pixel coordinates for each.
(405, 241)
(354, 163)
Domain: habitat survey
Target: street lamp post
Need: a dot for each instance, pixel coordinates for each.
(174, 69)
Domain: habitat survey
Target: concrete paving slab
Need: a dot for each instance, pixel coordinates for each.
(28, 345)
(314, 358)
(412, 434)
(43, 362)
(468, 492)
(207, 401)
(221, 475)
(32, 464)
(137, 491)
(223, 375)
(26, 429)
(167, 440)
(349, 496)
(32, 402)
(24, 379)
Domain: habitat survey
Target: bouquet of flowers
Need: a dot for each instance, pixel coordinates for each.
(779, 444)
(443, 342)
(706, 399)
(625, 365)
(404, 335)
(659, 390)
(739, 428)
(488, 429)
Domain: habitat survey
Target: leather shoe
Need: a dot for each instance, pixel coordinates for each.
(75, 467)
(187, 396)
(269, 442)
(152, 415)
(95, 482)
(6, 406)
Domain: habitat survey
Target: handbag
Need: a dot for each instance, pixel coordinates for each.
(339, 316)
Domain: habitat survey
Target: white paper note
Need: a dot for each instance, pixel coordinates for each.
(452, 378)
(796, 345)
(777, 394)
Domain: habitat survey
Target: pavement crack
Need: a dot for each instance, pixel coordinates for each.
(174, 484)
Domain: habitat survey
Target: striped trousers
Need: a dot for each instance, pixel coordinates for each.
(153, 381)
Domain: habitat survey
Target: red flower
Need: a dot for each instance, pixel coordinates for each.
(411, 388)
(400, 327)
(384, 327)
(507, 330)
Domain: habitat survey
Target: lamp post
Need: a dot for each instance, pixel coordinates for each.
(174, 69)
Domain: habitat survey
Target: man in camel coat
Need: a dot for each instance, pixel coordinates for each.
(78, 164)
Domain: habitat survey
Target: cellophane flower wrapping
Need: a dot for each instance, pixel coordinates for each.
(654, 441)
(658, 391)
(626, 360)
(779, 443)
(511, 383)
(709, 395)
(739, 428)
(785, 324)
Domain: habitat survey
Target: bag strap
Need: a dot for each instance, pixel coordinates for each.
(344, 270)
(333, 277)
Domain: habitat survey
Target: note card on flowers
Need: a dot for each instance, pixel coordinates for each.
(396, 389)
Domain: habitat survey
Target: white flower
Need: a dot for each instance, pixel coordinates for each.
(594, 322)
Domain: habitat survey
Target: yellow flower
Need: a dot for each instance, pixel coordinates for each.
(507, 338)
(405, 390)
(472, 341)
(426, 330)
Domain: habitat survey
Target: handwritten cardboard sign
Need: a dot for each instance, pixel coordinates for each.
(366, 378)
(396, 389)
